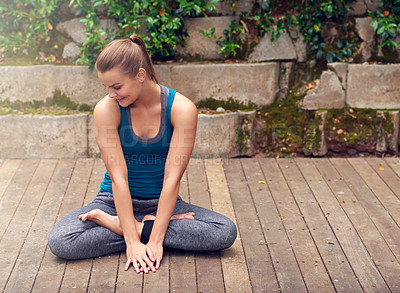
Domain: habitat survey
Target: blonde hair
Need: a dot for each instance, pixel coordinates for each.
(129, 55)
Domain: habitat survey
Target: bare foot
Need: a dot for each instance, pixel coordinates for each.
(189, 216)
(112, 222)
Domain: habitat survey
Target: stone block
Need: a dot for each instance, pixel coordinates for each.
(329, 94)
(256, 83)
(76, 30)
(224, 135)
(39, 82)
(341, 71)
(388, 131)
(367, 34)
(315, 141)
(71, 52)
(200, 47)
(358, 8)
(280, 49)
(34, 136)
(373, 86)
(364, 29)
(163, 73)
(299, 45)
(286, 79)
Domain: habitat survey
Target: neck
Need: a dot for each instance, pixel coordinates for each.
(149, 96)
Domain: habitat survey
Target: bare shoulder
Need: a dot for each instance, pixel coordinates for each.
(183, 110)
(106, 112)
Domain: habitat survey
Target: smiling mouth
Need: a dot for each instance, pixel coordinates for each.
(120, 99)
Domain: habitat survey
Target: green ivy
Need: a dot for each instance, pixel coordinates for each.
(159, 23)
(386, 22)
(24, 24)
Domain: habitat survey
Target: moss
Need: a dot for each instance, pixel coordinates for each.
(230, 104)
(313, 137)
(285, 125)
(244, 134)
(60, 104)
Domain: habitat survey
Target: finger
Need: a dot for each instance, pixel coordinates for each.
(150, 254)
(158, 263)
(137, 267)
(143, 265)
(128, 262)
(152, 259)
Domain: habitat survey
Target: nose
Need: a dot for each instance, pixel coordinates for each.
(111, 93)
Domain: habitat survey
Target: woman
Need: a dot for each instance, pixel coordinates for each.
(145, 133)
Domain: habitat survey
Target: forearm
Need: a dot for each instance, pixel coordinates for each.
(123, 205)
(165, 210)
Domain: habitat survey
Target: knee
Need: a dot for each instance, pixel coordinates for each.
(231, 234)
(228, 235)
(58, 244)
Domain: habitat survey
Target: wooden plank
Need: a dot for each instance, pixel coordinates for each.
(379, 215)
(96, 177)
(181, 263)
(104, 274)
(357, 255)
(20, 224)
(15, 191)
(394, 163)
(77, 273)
(236, 277)
(307, 256)
(30, 257)
(128, 281)
(388, 199)
(374, 242)
(208, 265)
(158, 282)
(261, 269)
(7, 170)
(52, 270)
(334, 259)
(391, 179)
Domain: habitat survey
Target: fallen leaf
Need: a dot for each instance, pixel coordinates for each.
(262, 182)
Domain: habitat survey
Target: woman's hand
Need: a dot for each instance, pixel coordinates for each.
(140, 257)
(156, 252)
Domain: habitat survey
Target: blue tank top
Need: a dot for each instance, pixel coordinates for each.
(145, 157)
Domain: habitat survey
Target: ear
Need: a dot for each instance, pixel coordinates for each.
(141, 75)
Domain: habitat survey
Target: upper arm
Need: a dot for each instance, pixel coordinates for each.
(184, 121)
(106, 118)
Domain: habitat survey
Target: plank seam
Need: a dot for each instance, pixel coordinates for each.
(259, 222)
(283, 224)
(304, 219)
(33, 219)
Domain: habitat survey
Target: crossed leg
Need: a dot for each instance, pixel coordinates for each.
(112, 222)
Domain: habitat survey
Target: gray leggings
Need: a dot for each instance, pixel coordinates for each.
(73, 239)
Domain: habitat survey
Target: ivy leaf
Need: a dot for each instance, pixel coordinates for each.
(320, 53)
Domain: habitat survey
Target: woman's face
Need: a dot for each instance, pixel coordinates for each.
(124, 89)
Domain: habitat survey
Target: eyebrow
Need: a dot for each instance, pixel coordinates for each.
(113, 84)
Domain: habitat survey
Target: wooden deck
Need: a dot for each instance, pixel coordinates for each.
(305, 225)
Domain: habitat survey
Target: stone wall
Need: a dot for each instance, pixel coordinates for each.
(356, 85)
(72, 136)
(255, 83)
